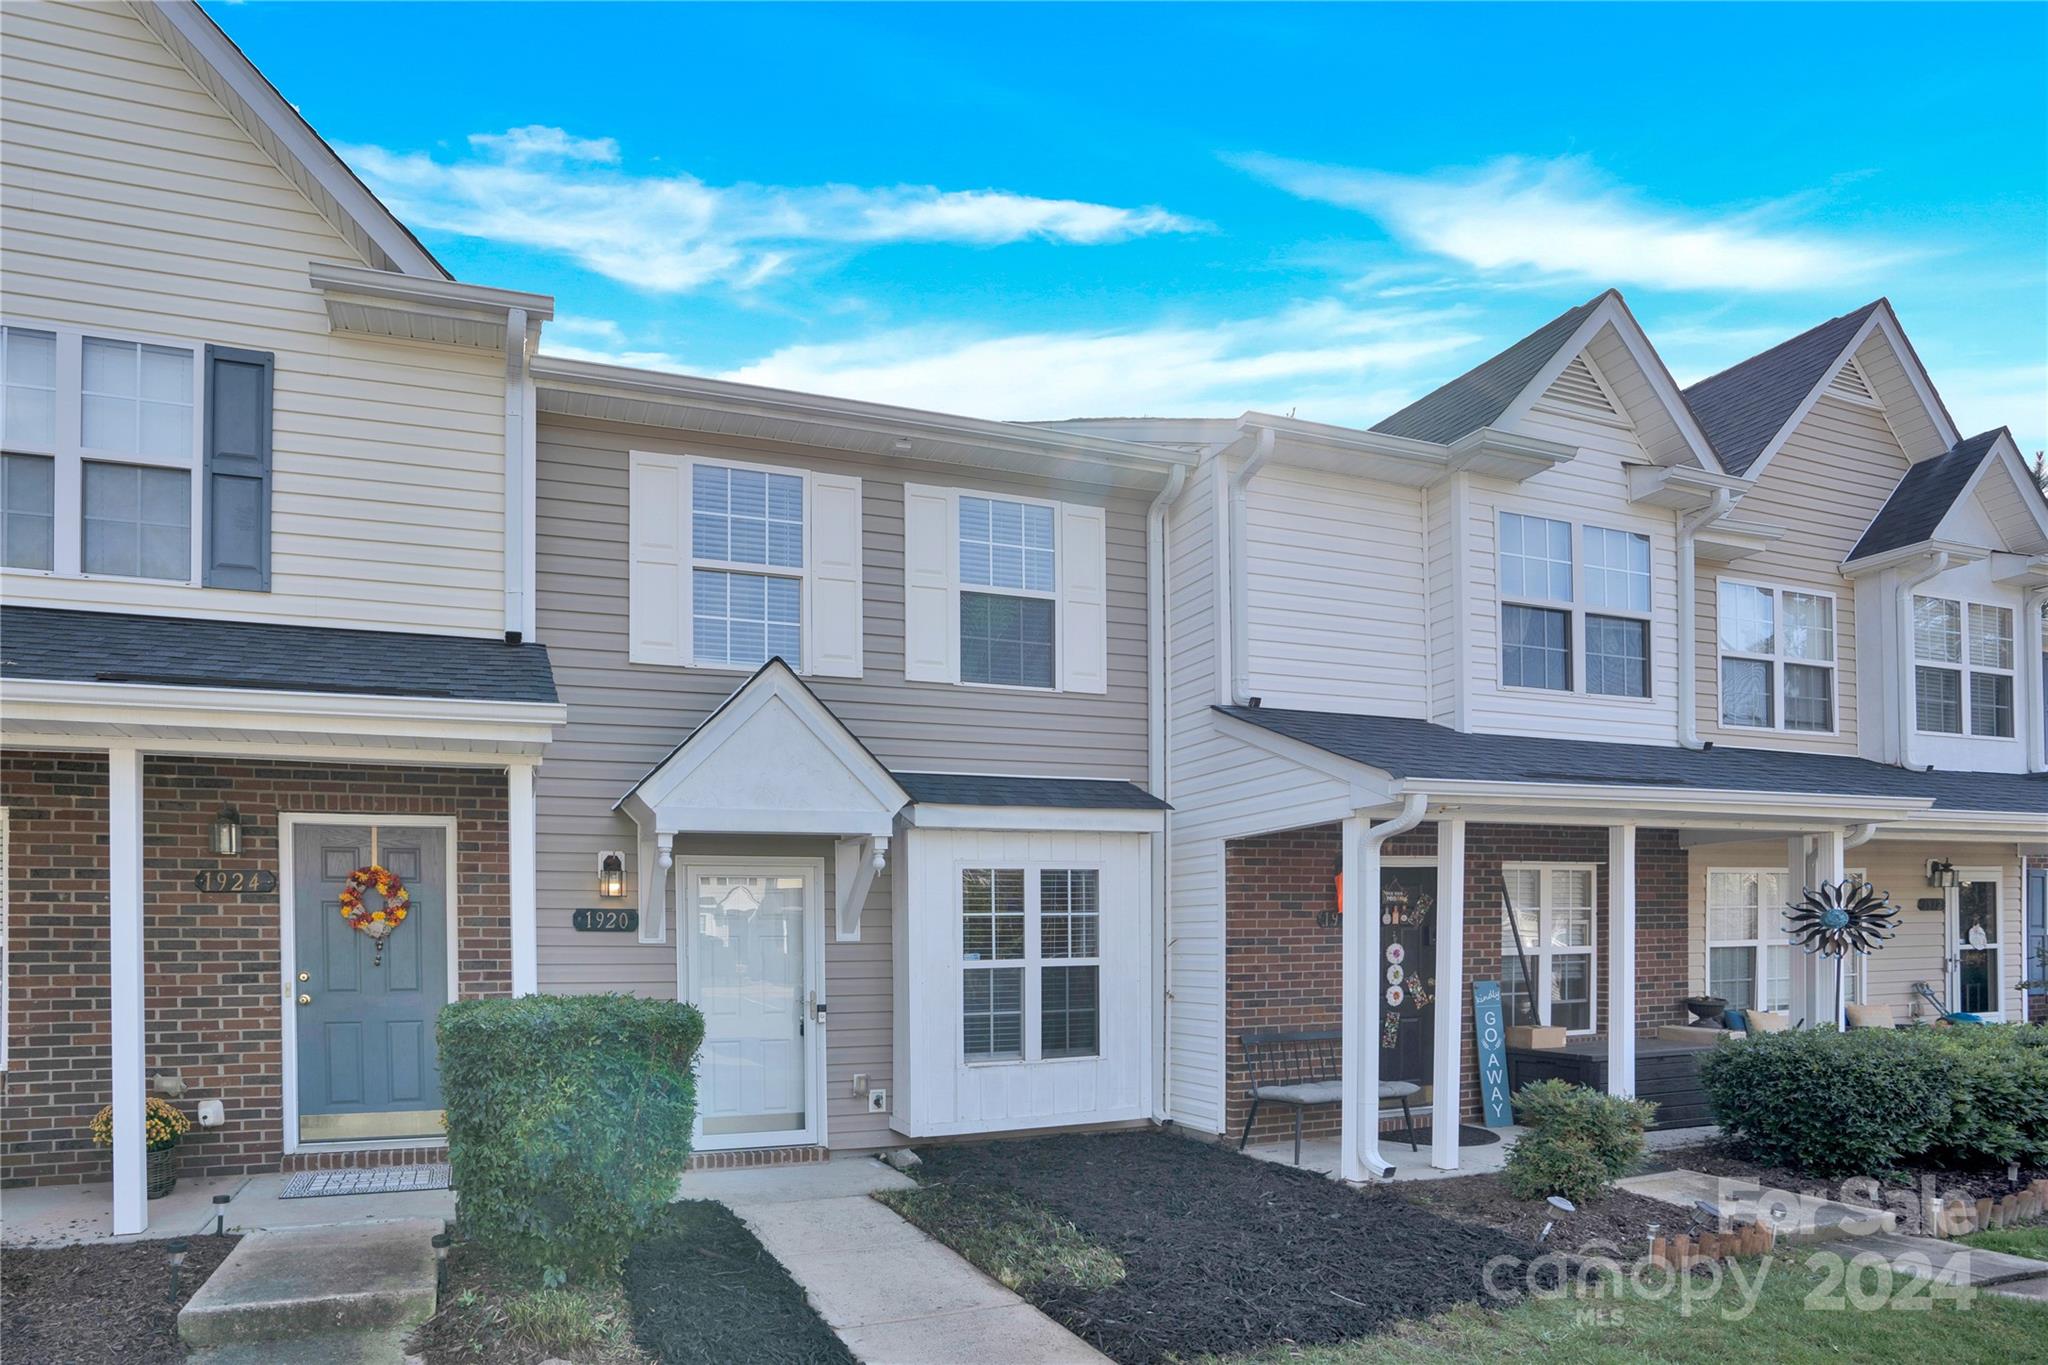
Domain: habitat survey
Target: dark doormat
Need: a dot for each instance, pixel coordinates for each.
(1469, 1135)
(366, 1180)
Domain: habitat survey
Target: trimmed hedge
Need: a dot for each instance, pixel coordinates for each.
(1870, 1100)
(568, 1123)
(1580, 1141)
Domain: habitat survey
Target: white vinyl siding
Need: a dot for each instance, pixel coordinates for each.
(1777, 650)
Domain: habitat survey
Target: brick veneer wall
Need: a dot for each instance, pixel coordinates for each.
(210, 961)
(1283, 970)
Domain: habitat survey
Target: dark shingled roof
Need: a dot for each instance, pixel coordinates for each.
(1417, 749)
(1069, 793)
(1742, 408)
(101, 646)
(1479, 396)
(1915, 508)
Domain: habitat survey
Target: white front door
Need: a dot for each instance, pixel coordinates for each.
(750, 947)
(1975, 944)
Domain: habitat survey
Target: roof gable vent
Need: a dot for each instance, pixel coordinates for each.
(1579, 391)
(1850, 384)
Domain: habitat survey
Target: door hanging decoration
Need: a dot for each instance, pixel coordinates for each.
(377, 923)
(1838, 918)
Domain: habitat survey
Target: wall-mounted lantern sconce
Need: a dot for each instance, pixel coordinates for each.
(611, 874)
(1942, 873)
(227, 832)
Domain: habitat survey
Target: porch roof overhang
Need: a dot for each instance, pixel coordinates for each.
(1526, 778)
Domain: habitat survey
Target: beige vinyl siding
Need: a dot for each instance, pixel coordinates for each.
(133, 205)
(1823, 486)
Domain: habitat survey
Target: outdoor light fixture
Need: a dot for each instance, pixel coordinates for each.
(174, 1253)
(227, 832)
(1942, 873)
(611, 874)
(220, 1213)
(440, 1242)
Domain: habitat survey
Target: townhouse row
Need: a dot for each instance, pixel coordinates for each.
(972, 777)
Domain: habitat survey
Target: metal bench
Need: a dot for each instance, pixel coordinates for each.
(1303, 1068)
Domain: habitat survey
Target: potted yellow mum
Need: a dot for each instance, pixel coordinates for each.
(163, 1123)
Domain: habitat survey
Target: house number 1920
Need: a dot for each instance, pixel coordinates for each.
(254, 881)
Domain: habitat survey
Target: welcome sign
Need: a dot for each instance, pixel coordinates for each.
(1489, 1034)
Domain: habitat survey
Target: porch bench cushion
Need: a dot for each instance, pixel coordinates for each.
(1304, 1092)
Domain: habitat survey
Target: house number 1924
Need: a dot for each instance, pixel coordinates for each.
(252, 881)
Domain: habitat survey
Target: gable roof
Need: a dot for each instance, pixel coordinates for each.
(1478, 397)
(204, 49)
(1924, 496)
(1743, 407)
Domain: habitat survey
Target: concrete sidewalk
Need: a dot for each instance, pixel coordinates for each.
(58, 1215)
(894, 1296)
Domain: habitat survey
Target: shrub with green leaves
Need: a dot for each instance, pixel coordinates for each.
(568, 1123)
(1867, 1101)
(1579, 1141)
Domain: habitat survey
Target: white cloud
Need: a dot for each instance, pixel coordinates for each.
(543, 187)
(1331, 362)
(2013, 396)
(1559, 217)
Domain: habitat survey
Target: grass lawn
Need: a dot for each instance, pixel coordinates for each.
(2027, 1241)
(1782, 1328)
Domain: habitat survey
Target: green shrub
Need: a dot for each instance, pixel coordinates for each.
(1580, 1141)
(568, 1123)
(1867, 1101)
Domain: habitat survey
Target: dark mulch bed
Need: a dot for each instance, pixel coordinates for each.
(1617, 1224)
(98, 1303)
(1225, 1254)
(703, 1290)
(1901, 1190)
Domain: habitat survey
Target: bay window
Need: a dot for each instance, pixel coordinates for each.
(1604, 651)
(1030, 949)
(1963, 673)
(1777, 649)
(1553, 906)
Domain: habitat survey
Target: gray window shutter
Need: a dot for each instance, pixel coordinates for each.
(237, 470)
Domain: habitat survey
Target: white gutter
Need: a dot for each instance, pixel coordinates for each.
(1155, 770)
(1689, 527)
(1240, 574)
(1360, 1157)
(2037, 657)
(518, 467)
(1905, 648)
(1858, 835)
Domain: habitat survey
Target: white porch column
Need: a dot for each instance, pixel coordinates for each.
(1359, 1103)
(1830, 1000)
(1448, 1094)
(1621, 960)
(124, 971)
(523, 873)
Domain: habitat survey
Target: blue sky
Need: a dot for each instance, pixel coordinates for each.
(1049, 211)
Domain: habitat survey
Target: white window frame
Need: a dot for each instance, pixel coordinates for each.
(1777, 658)
(1576, 610)
(1059, 550)
(1541, 952)
(694, 561)
(1770, 933)
(1033, 962)
(70, 455)
(1965, 669)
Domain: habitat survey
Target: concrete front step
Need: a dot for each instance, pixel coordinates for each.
(1796, 1217)
(291, 1284)
(366, 1347)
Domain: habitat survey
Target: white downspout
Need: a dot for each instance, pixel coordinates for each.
(1240, 572)
(1359, 1146)
(1905, 646)
(518, 492)
(1689, 526)
(1856, 836)
(1155, 768)
(2037, 658)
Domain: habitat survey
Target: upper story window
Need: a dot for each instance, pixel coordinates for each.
(1963, 667)
(107, 471)
(746, 517)
(1777, 658)
(1008, 588)
(1603, 650)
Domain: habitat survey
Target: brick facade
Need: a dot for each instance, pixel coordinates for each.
(1283, 969)
(211, 962)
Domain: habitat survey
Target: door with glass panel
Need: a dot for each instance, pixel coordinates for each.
(749, 946)
(1975, 952)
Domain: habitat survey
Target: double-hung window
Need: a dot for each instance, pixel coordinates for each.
(100, 441)
(1777, 658)
(1749, 956)
(1031, 963)
(1963, 676)
(1554, 919)
(746, 565)
(1605, 651)
(1009, 584)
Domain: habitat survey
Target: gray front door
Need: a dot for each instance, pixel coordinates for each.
(366, 1060)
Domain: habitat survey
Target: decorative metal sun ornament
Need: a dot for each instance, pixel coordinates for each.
(1838, 918)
